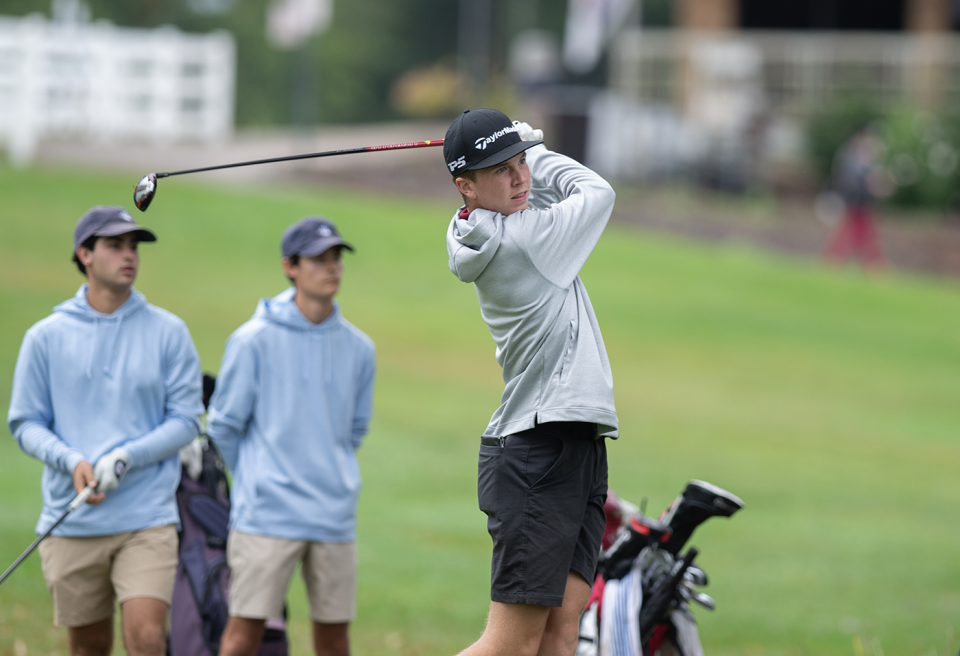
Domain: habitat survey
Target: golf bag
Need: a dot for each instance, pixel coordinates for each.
(199, 609)
(639, 604)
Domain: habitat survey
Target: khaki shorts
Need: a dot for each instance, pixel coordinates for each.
(84, 575)
(263, 566)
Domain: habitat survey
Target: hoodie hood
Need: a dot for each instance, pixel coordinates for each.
(79, 307)
(283, 311)
(473, 242)
(107, 326)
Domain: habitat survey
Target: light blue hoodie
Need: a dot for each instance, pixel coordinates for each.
(292, 404)
(87, 383)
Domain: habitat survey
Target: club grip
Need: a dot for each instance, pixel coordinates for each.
(81, 498)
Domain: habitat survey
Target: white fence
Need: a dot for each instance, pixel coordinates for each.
(726, 107)
(106, 83)
(797, 71)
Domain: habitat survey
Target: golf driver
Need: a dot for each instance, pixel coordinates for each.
(79, 500)
(146, 189)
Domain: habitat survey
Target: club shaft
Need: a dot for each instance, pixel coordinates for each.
(328, 153)
(77, 501)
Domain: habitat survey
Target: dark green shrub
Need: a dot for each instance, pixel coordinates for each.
(921, 149)
(828, 128)
(923, 156)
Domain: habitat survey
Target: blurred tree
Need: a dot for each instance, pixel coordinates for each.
(657, 13)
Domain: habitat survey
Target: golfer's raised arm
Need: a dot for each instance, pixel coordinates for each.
(560, 237)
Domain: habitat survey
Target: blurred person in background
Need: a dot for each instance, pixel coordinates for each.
(292, 404)
(112, 380)
(859, 179)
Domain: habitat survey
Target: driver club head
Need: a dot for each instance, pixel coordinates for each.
(144, 192)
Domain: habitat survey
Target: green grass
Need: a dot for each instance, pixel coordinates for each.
(829, 401)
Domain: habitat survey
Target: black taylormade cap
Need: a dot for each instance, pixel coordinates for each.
(311, 236)
(480, 138)
(108, 221)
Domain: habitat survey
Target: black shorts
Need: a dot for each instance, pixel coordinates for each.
(543, 491)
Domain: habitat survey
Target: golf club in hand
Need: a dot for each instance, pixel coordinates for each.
(120, 468)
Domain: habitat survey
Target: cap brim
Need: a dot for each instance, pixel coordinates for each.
(321, 245)
(124, 227)
(503, 155)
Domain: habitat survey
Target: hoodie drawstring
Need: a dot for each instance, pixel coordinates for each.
(93, 347)
(307, 359)
(327, 367)
(108, 354)
(326, 354)
(108, 351)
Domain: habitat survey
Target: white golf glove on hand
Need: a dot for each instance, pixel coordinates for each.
(110, 469)
(191, 457)
(528, 133)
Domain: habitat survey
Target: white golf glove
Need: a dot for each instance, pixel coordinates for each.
(191, 457)
(110, 469)
(528, 133)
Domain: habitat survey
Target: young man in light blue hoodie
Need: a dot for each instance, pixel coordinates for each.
(529, 222)
(108, 379)
(292, 404)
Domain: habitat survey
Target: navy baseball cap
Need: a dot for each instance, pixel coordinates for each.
(311, 236)
(108, 221)
(480, 138)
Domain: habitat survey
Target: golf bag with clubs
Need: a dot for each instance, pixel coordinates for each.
(199, 609)
(640, 601)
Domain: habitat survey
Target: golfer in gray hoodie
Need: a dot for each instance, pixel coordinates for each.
(529, 222)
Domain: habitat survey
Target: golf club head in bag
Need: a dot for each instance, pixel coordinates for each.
(639, 533)
(698, 502)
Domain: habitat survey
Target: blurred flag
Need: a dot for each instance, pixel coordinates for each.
(590, 26)
(291, 22)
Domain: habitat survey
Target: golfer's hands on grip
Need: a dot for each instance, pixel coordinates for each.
(111, 468)
(84, 477)
(528, 133)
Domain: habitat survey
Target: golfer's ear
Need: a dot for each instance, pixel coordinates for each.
(85, 255)
(465, 186)
(289, 268)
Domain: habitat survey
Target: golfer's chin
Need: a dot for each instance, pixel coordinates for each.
(121, 284)
(517, 206)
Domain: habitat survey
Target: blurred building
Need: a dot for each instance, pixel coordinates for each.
(99, 82)
(722, 95)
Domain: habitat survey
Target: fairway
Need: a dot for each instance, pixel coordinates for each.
(828, 401)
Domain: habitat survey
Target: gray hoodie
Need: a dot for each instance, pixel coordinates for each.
(526, 268)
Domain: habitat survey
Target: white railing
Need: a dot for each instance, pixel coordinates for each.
(106, 83)
(726, 106)
(796, 71)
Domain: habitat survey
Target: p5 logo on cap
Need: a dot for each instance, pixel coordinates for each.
(125, 215)
(457, 164)
(324, 231)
